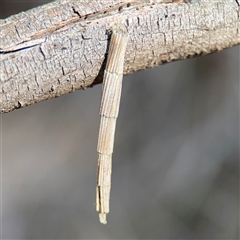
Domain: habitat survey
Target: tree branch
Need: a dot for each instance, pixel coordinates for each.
(60, 47)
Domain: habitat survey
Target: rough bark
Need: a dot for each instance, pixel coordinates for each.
(60, 47)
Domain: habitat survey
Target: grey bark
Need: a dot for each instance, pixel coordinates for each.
(60, 47)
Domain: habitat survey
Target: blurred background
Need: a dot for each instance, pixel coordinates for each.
(175, 161)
